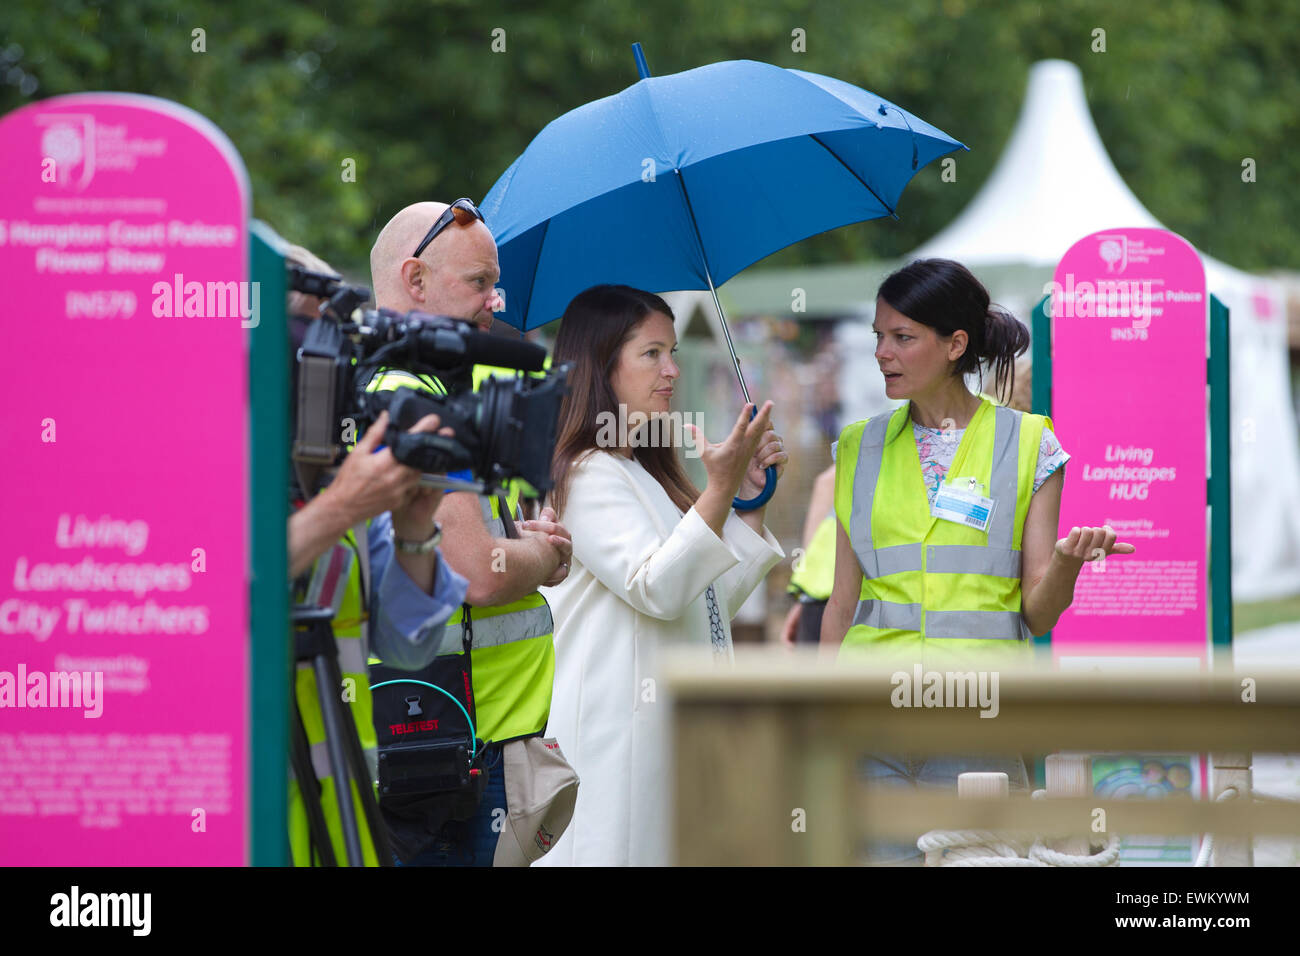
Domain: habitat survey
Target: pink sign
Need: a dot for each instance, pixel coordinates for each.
(123, 611)
(1129, 399)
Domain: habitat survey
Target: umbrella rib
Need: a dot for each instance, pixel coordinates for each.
(695, 226)
(532, 284)
(813, 137)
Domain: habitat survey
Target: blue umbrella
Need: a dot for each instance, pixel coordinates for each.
(682, 181)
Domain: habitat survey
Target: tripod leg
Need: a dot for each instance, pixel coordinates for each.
(361, 771)
(308, 786)
(328, 681)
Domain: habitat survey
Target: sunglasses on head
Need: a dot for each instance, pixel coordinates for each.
(461, 211)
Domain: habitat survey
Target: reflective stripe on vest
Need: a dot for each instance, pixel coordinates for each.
(905, 587)
(522, 620)
(489, 506)
(1003, 625)
(523, 624)
(904, 617)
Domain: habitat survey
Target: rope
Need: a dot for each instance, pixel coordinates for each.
(954, 839)
(975, 848)
(994, 861)
(1107, 856)
(991, 848)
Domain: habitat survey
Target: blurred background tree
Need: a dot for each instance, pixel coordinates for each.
(415, 95)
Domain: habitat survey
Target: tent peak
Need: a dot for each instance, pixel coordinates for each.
(1053, 183)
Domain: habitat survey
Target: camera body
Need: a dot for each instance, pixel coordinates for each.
(505, 430)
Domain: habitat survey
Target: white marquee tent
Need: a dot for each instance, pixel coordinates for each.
(1055, 184)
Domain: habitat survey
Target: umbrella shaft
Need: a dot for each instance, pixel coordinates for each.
(735, 359)
(708, 276)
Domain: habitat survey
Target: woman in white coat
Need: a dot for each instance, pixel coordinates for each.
(656, 562)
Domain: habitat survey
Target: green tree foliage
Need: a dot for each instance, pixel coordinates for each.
(416, 96)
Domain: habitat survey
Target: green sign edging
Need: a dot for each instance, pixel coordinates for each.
(268, 369)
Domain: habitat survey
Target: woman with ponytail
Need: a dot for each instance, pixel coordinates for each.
(947, 552)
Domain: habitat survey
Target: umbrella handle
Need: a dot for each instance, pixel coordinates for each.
(769, 489)
(769, 485)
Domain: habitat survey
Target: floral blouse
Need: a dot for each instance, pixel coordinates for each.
(937, 450)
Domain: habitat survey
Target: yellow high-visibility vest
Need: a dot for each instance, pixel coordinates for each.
(512, 657)
(350, 637)
(814, 574)
(933, 589)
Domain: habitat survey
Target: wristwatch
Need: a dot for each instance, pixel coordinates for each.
(417, 547)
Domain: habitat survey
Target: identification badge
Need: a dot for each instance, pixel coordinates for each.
(962, 501)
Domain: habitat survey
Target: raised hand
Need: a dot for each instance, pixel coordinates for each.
(727, 462)
(1089, 544)
(370, 483)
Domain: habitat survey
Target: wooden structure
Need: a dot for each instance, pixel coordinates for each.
(766, 753)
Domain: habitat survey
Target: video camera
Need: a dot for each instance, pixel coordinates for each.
(504, 430)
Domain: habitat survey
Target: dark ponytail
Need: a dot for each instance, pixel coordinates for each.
(945, 296)
(1005, 340)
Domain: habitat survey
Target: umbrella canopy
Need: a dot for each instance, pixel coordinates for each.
(682, 181)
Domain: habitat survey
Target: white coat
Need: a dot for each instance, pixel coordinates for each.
(636, 583)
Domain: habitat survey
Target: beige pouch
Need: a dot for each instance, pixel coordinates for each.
(541, 790)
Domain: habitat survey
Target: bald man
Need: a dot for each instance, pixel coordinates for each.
(372, 496)
(455, 275)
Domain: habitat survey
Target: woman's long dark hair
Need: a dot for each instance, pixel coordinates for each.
(592, 332)
(945, 296)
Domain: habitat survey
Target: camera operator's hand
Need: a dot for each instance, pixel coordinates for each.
(414, 519)
(547, 525)
(369, 484)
